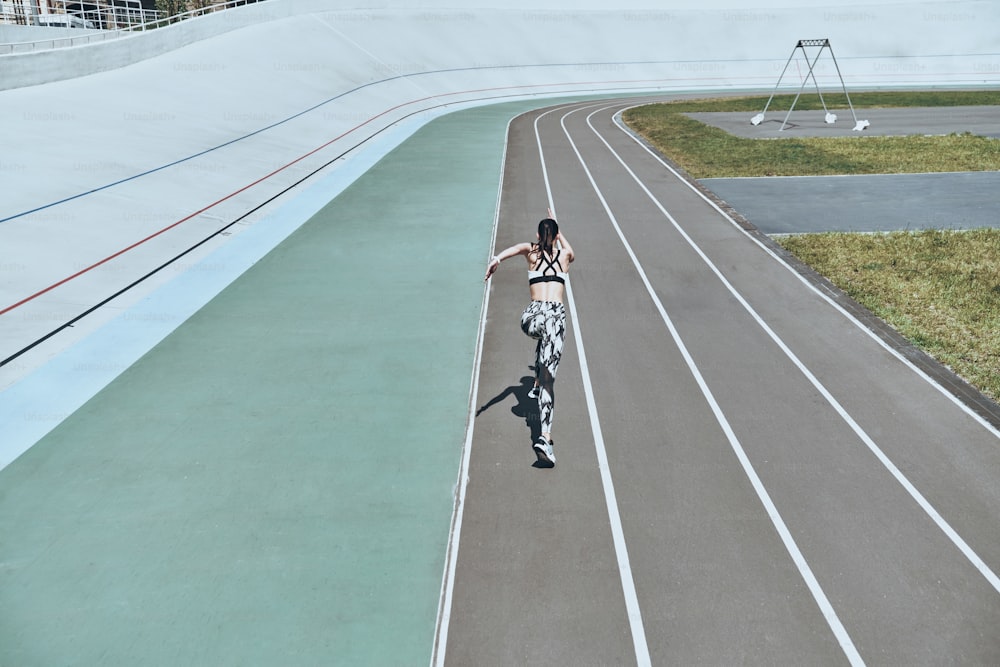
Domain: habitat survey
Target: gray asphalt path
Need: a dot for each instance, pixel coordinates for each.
(881, 203)
(869, 203)
(779, 486)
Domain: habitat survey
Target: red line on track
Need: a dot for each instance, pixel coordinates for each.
(192, 215)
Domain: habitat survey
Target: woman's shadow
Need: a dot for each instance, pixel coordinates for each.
(526, 407)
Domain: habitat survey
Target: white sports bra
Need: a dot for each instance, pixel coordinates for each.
(550, 272)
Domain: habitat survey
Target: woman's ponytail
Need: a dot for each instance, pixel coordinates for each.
(548, 230)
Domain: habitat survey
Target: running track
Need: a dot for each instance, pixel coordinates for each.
(745, 474)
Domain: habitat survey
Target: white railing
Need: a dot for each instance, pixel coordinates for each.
(92, 36)
(107, 14)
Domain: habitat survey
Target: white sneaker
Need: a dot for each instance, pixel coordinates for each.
(543, 450)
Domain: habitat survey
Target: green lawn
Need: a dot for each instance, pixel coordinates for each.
(709, 152)
(939, 288)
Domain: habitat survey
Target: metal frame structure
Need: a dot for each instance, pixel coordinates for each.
(830, 117)
(93, 14)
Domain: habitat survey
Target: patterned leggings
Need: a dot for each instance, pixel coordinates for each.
(546, 322)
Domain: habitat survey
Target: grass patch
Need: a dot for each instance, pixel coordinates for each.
(940, 289)
(709, 152)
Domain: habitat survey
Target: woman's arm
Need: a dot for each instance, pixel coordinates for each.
(513, 251)
(563, 243)
(566, 247)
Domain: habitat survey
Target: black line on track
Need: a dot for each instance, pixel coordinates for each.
(205, 240)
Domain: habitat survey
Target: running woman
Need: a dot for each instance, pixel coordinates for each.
(545, 317)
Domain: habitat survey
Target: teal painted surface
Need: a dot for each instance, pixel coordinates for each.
(272, 484)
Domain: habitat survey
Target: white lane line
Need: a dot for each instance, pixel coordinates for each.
(847, 645)
(451, 555)
(943, 525)
(614, 517)
(858, 323)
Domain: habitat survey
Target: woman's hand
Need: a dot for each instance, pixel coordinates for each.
(492, 268)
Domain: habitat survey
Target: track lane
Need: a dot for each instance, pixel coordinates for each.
(755, 591)
(919, 546)
(714, 583)
(691, 617)
(536, 550)
(636, 625)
